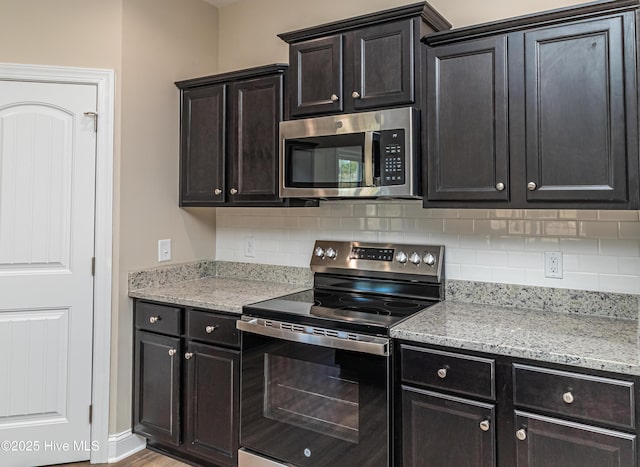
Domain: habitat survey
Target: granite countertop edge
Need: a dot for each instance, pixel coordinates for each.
(447, 325)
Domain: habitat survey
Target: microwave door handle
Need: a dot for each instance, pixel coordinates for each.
(368, 158)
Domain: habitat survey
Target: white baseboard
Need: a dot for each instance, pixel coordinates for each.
(125, 444)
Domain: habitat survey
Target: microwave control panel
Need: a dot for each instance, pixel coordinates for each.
(392, 155)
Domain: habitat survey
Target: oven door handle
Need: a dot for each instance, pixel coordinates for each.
(364, 344)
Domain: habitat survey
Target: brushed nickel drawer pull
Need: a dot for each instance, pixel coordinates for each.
(567, 397)
(154, 319)
(210, 329)
(442, 373)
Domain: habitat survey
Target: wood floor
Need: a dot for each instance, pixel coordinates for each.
(144, 458)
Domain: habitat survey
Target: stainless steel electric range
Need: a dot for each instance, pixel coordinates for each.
(317, 376)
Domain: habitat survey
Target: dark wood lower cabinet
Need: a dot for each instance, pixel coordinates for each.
(187, 383)
(212, 405)
(550, 442)
(157, 387)
(442, 431)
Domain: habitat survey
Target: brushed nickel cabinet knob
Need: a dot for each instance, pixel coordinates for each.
(531, 186)
(500, 186)
(217, 191)
(188, 355)
(484, 425)
(233, 191)
(521, 434)
(355, 95)
(334, 98)
(172, 352)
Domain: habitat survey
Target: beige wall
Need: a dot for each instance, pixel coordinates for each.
(248, 28)
(150, 44)
(163, 41)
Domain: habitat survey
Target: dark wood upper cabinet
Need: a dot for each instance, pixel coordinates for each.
(203, 145)
(383, 65)
(468, 145)
(316, 72)
(360, 63)
(229, 138)
(535, 112)
(576, 106)
(256, 110)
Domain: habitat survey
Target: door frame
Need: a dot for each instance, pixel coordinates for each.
(103, 234)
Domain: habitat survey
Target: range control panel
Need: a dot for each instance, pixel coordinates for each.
(425, 261)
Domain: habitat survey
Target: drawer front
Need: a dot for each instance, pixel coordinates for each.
(449, 371)
(213, 328)
(581, 396)
(158, 318)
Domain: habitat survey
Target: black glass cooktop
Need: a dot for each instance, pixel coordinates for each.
(349, 311)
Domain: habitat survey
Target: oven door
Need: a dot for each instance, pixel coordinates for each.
(308, 404)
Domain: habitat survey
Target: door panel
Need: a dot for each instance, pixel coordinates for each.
(203, 146)
(47, 192)
(467, 121)
(213, 378)
(576, 109)
(257, 111)
(316, 75)
(551, 442)
(445, 431)
(383, 72)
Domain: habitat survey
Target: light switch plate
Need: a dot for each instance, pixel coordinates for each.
(164, 249)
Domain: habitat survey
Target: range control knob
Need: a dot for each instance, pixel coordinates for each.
(331, 253)
(401, 257)
(429, 259)
(415, 258)
(319, 252)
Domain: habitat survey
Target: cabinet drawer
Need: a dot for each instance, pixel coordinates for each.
(158, 318)
(581, 396)
(213, 327)
(449, 371)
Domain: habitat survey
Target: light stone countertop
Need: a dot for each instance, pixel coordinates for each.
(216, 293)
(602, 343)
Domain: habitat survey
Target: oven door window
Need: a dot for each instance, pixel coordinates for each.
(325, 161)
(314, 406)
(313, 396)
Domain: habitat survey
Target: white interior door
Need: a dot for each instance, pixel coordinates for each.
(47, 194)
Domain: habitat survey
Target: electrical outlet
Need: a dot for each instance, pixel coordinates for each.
(164, 249)
(553, 264)
(249, 247)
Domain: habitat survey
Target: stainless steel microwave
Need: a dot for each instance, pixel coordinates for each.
(368, 155)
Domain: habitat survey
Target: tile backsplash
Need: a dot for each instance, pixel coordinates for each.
(600, 249)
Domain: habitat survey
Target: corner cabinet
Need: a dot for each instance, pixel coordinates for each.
(361, 63)
(187, 382)
(229, 138)
(535, 112)
(461, 408)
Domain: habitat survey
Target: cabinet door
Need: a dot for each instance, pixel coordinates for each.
(581, 110)
(446, 431)
(548, 442)
(156, 387)
(202, 150)
(383, 66)
(316, 76)
(212, 403)
(467, 121)
(253, 156)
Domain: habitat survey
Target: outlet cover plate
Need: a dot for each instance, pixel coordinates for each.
(164, 250)
(553, 264)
